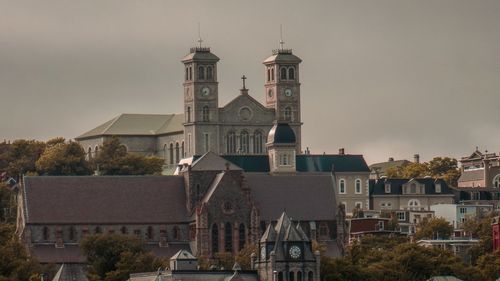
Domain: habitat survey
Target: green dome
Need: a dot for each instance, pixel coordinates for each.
(281, 133)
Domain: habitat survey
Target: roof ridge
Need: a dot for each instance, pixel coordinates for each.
(113, 121)
(250, 97)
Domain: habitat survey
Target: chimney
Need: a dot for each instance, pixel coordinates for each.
(391, 159)
(341, 151)
(416, 158)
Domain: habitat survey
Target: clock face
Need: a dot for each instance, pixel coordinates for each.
(205, 91)
(295, 252)
(263, 253)
(288, 92)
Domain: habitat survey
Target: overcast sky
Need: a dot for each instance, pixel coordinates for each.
(383, 78)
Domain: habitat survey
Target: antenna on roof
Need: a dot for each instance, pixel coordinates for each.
(199, 34)
(281, 37)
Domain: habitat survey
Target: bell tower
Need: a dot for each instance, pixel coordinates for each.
(201, 101)
(282, 88)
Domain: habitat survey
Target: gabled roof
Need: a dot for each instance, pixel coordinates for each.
(269, 235)
(138, 125)
(247, 100)
(104, 199)
(183, 255)
(212, 162)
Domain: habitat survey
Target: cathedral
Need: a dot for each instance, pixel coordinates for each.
(239, 127)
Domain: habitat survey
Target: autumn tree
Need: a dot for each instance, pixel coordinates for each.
(113, 159)
(434, 228)
(63, 159)
(113, 257)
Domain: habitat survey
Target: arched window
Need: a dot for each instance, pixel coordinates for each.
(280, 276)
(165, 153)
(171, 153)
(257, 144)
(45, 233)
(268, 74)
(292, 276)
(150, 233)
(310, 276)
(272, 74)
(190, 73)
(188, 114)
(182, 150)
(210, 73)
(228, 237)
(291, 73)
(496, 181)
(231, 143)
(206, 114)
(215, 239)
(357, 186)
(242, 236)
(176, 152)
(342, 186)
(96, 150)
(414, 204)
(124, 230)
(283, 73)
(288, 113)
(97, 230)
(299, 276)
(187, 73)
(89, 153)
(72, 233)
(201, 72)
(244, 142)
(176, 233)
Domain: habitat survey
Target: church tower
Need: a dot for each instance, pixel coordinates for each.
(201, 101)
(282, 88)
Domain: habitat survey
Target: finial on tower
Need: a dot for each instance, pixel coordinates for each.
(199, 34)
(244, 78)
(281, 37)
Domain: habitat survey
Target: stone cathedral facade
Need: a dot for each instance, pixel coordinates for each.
(237, 128)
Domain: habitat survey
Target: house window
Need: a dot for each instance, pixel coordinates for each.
(463, 210)
(187, 74)
(257, 144)
(323, 229)
(176, 233)
(244, 143)
(413, 188)
(292, 276)
(475, 195)
(438, 188)
(231, 143)
(280, 276)
(72, 233)
(97, 230)
(150, 233)
(357, 186)
(182, 150)
(496, 181)
(358, 205)
(310, 276)
(288, 113)
(387, 188)
(380, 225)
(124, 230)
(190, 73)
(215, 239)
(342, 186)
(284, 159)
(205, 114)
(401, 216)
(45, 233)
(414, 204)
(228, 237)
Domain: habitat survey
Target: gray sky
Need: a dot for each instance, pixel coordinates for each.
(379, 77)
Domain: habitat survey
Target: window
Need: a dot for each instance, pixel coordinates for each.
(228, 237)
(97, 230)
(210, 73)
(291, 73)
(288, 113)
(72, 233)
(45, 233)
(257, 144)
(310, 276)
(284, 159)
(206, 114)
(463, 210)
(124, 230)
(272, 74)
(414, 204)
(187, 74)
(231, 143)
(201, 72)
(342, 186)
(496, 181)
(475, 195)
(190, 73)
(176, 233)
(177, 152)
(280, 276)
(283, 73)
(413, 188)
(89, 153)
(438, 188)
(292, 276)
(387, 188)
(358, 205)
(206, 141)
(96, 150)
(182, 150)
(268, 74)
(215, 239)
(380, 225)
(241, 236)
(150, 233)
(357, 186)
(244, 143)
(323, 229)
(171, 153)
(137, 233)
(188, 114)
(401, 216)
(299, 276)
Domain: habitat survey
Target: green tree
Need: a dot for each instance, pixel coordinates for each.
(434, 228)
(489, 266)
(113, 159)
(244, 256)
(445, 168)
(415, 170)
(63, 159)
(113, 257)
(22, 156)
(480, 229)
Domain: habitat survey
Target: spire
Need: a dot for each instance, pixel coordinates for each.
(281, 37)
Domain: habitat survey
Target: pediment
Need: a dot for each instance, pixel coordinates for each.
(245, 108)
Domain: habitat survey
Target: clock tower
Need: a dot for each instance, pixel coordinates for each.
(201, 101)
(282, 89)
(285, 253)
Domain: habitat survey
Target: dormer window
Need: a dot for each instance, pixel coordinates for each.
(387, 188)
(438, 188)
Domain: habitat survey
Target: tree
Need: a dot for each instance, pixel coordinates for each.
(244, 256)
(113, 257)
(489, 266)
(415, 170)
(445, 168)
(481, 229)
(63, 159)
(22, 156)
(434, 228)
(113, 159)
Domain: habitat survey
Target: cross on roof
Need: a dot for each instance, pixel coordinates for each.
(244, 78)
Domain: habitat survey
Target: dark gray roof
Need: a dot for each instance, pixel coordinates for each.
(105, 199)
(281, 133)
(282, 56)
(378, 187)
(71, 272)
(302, 196)
(200, 54)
